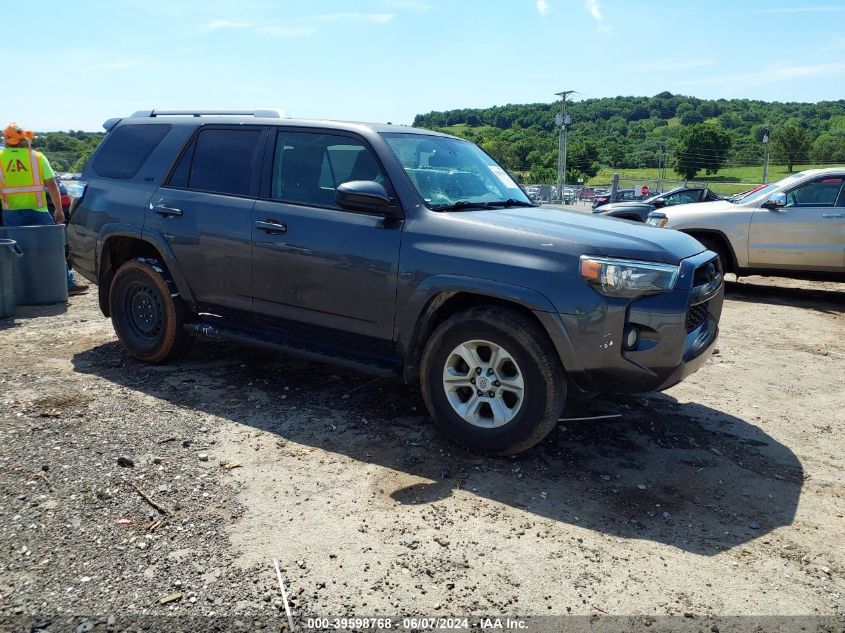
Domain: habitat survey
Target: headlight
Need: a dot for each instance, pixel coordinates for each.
(656, 220)
(626, 278)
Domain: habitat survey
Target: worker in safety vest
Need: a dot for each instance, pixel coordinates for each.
(24, 174)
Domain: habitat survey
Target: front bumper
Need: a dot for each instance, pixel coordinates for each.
(678, 331)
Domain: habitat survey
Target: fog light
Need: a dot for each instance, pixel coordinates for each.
(632, 337)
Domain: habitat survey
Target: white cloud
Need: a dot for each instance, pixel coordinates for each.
(379, 18)
(660, 66)
(124, 64)
(280, 30)
(219, 25)
(543, 7)
(411, 5)
(595, 11)
(802, 10)
(299, 27)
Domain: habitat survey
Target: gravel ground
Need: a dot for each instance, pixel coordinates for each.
(153, 495)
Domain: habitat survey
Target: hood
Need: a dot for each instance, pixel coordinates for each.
(620, 206)
(578, 233)
(681, 210)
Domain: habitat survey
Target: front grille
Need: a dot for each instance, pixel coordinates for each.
(696, 315)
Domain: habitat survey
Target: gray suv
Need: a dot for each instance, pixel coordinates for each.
(389, 250)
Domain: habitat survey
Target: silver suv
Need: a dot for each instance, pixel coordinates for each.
(793, 228)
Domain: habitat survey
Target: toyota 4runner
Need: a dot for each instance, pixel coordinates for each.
(389, 250)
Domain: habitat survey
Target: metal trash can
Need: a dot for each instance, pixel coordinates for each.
(9, 255)
(41, 274)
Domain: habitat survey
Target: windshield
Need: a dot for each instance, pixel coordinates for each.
(665, 194)
(764, 190)
(456, 174)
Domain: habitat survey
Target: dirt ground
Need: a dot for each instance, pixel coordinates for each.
(721, 496)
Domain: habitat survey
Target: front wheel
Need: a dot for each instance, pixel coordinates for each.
(147, 317)
(718, 247)
(492, 380)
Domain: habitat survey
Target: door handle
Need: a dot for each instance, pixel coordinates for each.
(833, 215)
(273, 227)
(167, 211)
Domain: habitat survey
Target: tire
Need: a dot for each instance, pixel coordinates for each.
(516, 421)
(717, 246)
(147, 318)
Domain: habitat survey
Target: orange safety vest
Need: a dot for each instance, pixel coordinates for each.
(19, 177)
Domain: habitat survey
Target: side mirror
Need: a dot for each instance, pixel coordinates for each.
(364, 196)
(659, 202)
(775, 201)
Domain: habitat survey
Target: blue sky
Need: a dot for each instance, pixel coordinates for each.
(387, 60)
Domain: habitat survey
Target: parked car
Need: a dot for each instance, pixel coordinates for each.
(586, 193)
(794, 227)
(64, 197)
(622, 195)
(638, 210)
(533, 192)
(391, 250)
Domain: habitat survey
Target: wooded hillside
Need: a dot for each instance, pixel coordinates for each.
(630, 132)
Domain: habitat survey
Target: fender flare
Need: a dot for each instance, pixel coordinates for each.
(154, 239)
(411, 325)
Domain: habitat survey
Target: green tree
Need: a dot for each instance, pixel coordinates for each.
(701, 147)
(80, 163)
(583, 155)
(829, 148)
(791, 144)
(691, 117)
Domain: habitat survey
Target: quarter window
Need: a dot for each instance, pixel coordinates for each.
(126, 148)
(220, 161)
(308, 167)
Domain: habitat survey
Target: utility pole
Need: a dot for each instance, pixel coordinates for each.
(766, 156)
(665, 158)
(562, 120)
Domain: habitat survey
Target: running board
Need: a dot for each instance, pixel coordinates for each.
(279, 344)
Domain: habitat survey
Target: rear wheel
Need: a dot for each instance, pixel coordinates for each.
(147, 318)
(492, 381)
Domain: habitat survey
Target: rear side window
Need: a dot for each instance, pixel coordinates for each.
(220, 161)
(126, 148)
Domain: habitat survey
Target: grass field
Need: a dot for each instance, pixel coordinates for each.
(723, 182)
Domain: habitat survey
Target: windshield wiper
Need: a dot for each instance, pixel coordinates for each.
(462, 204)
(510, 202)
(466, 204)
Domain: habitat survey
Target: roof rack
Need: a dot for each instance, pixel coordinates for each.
(266, 114)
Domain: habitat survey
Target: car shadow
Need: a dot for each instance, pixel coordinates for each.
(686, 475)
(828, 301)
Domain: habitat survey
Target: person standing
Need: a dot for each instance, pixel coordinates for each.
(24, 174)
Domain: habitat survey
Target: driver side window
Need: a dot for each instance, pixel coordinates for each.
(309, 166)
(683, 197)
(818, 193)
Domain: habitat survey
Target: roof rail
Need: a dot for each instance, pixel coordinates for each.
(267, 114)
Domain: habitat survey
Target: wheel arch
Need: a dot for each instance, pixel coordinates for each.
(120, 246)
(722, 238)
(438, 302)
